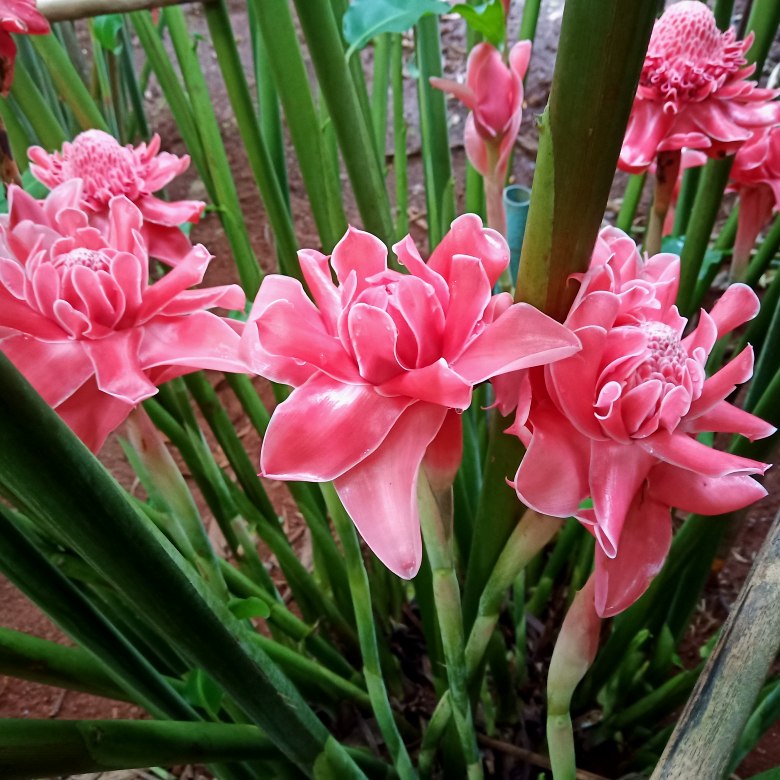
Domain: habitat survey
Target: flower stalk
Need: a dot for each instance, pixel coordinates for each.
(667, 168)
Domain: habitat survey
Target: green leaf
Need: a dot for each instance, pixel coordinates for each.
(201, 691)
(252, 607)
(106, 30)
(486, 19)
(365, 19)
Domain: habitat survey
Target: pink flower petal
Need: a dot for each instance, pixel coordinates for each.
(445, 452)
(380, 492)
(436, 383)
(326, 428)
(725, 417)
(734, 308)
(117, 371)
(701, 494)
(373, 335)
(520, 338)
(470, 292)
(360, 252)
(644, 545)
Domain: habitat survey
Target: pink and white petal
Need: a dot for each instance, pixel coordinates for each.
(360, 252)
(316, 272)
(166, 243)
(92, 415)
(409, 257)
(73, 322)
(373, 335)
(476, 148)
(727, 418)
(436, 383)
(616, 474)
(117, 368)
(227, 296)
(703, 495)
(125, 222)
(722, 383)
(170, 213)
(283, 331)
(55, 369)
(380, 492)
(92, 299)
(325, 428)
(455, 88)
(736, 306)
(445, 452)
(679, 449)
(553, 474)
(647, 127)
(185, 274)
(199, 340)
(467, 236)
(470, 292)
(421, 311)
(519, 58)
(520, 338)
(644, 545)
(12, 277)
(130, 274)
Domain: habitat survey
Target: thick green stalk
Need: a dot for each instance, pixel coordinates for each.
(722, 701)
(68, 82)
(268, 104)
(36, 109)
(725, 239)
(107, 532)
(764, 255)
(434, 132)
(45, 748)
(437, 534)
(379, 88)
(18, 139)
(400, 171)
(260, 161)
(49, 663)
(631, 198)
(682, 212)
(723, 9)
(225, 194)
(529, 20)
(580, 135)
(292, 84)
(763, 21)
(361, 598)
(768, 363)
(705, 211)
(138, 119)
(102, 84)
(349, 121)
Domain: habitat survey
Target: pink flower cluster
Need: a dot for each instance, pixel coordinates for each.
(621, 417)
(694, 90)
(21, 17)
(379, 360)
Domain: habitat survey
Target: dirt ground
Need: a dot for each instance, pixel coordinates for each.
(30, 700)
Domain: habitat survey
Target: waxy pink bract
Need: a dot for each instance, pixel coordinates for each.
(81, 320)
(379, 359)
(618, 421)
(494, 93)
(693, 91)
(108, 169)
(22, 17)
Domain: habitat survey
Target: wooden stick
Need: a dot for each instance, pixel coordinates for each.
(716, 713)
(67, 10)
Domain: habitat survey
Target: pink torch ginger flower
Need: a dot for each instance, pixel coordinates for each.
(755, 175)
(693, 91)
(619, 419)
(109, 169)
(494, 93)
(378, 361)
(79, 318)
(16, 16)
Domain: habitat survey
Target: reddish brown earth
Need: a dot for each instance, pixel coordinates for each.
(29, 700)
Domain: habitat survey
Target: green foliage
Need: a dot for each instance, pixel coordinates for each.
(486, 19)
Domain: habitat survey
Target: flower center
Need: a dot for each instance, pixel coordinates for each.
(106, 168)
(689, 58)
(89, 258)
(665, 358)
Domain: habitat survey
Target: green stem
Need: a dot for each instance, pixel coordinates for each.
(138, 119)
(529, 20)
(257, 152)
(631, 198)
(437, 534)
(214, 155)
(574, 174)
(381, 78)
(292, 84)
(723, 9)
(68, 82)
(399, 138)
(349, 121)
(34, 107)
(434, 132)
(705, 210)
(763, 22)
(764, 255)
(682, 212)
(17, 137)
(361, 598)
(667, 167)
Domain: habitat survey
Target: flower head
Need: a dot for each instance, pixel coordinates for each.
(621, 417)
(108, 169)
(16, 16)
(494, 93)
(379, 359)
(693, 90)
(79, 318)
